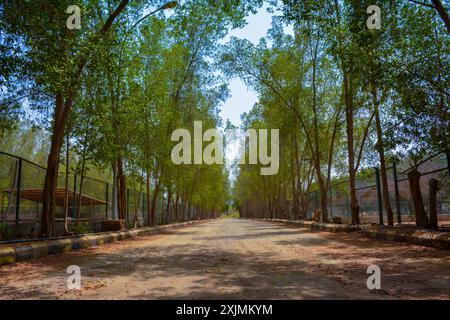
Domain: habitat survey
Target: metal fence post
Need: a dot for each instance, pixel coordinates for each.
(316, 196)
(19, 182)
(74, 200)
(347, 205)
(380, 204)
(330, 201)
(397, 193)
(107, 196)
(447, 154)
(144, 207)
(127, 206)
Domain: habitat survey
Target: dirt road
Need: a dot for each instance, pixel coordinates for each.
(236, 259)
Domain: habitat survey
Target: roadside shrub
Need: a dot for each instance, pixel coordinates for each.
(73, 228)
(5, 231)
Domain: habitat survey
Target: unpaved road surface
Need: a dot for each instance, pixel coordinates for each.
(236, 259)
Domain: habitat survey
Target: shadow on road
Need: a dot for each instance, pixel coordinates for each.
(240, 259)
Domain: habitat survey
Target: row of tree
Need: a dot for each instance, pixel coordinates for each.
(344, 96)
(113, 91)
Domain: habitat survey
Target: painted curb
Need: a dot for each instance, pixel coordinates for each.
(319, 226)
(7, 255)
(426, 238)
(19, 252)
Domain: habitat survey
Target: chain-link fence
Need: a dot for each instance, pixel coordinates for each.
(84, 199)
(370, 197)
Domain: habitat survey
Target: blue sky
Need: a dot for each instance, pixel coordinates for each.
(242, 98)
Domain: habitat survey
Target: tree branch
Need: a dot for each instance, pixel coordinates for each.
(423, 4)
(443, 13)
(437, 5)
(366, 133)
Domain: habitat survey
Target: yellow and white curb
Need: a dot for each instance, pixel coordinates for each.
(24, 251)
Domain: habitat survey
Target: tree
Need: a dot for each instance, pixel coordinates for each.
(439, 7)
(309, 94)
(56, 63)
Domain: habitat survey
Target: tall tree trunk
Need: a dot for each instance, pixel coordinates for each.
(433, 186)
(322, 186)
(350, 149)
(66, 191)
(135, 205)
(114, 213)
(169, 199)
(80, 192)
(380, 147)
(62, 111)
(154, 201)
(121, 190)
(184, 208)
(63, 108)
(149, 209)
(323, 199)
(348, 99)
(80, 189)
(419, 208)
(303, 190)
(139, 203)
(294, 213)
(295, 177)
(177, 199)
